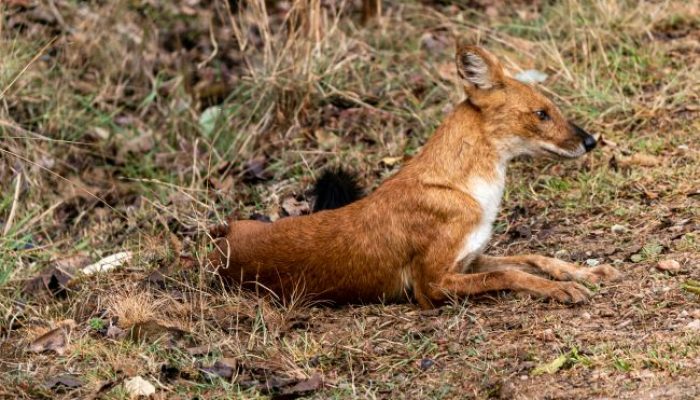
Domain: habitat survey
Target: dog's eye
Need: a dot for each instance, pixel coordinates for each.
(542, 115)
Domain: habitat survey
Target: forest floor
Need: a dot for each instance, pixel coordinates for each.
(136, 125)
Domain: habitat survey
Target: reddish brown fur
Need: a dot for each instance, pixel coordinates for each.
(404, 239)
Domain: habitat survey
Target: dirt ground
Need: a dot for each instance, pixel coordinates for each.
(132, 127)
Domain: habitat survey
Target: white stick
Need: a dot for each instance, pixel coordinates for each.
(108, 263)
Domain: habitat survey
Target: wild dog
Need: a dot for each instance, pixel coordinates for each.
(422, 233)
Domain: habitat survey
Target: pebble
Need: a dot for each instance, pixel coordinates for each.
(668, 265)
(618, 229)
(426, 363)
(694, 325)
(137, 386)
(592, 262)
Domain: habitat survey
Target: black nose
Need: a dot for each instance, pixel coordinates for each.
(588, 140)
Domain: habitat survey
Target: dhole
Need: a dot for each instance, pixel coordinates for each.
(422, 233)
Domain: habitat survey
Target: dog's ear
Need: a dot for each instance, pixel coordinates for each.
(479, 69)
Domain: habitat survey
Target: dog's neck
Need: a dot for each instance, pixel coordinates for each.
(459, 152)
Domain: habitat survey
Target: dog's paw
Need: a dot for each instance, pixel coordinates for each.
(599, 274)
(569, 292)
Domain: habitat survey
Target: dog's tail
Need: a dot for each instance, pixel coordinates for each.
(336, 188)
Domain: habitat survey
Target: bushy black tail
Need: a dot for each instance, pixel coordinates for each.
(336, 188)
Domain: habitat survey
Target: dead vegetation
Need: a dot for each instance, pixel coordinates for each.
(137, 125)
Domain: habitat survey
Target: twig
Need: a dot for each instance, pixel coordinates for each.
(13, 210)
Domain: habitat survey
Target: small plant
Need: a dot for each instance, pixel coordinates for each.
(622, 365)
(96, 324)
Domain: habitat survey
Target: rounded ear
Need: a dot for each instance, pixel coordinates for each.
(480, 69)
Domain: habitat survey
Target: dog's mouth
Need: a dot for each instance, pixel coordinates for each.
(558, 152)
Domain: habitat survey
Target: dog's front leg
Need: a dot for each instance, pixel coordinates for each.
(460, 285)
(557, 269)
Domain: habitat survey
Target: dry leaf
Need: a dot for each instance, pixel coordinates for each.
(63, 381)
(115, 332)
(152, 331)
(224, 368)
(254, 170)
(54, 281)
(137, 386)
(302, 388)
(55, 340)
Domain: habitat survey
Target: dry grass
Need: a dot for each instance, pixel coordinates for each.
(136, 125)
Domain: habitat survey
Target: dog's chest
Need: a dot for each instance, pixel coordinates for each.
(488, 194)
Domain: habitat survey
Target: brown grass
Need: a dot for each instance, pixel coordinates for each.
(137, 125)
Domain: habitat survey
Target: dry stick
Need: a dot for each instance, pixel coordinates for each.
(15, 200)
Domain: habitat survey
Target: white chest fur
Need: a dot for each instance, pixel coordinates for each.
(488, 193)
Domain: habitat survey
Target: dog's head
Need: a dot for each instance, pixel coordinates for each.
(519, 117)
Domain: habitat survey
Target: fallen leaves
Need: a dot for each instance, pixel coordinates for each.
(224, 368)
(56, 279)
(62, 274)
(53, 281)
(55, 340)
(153, 331)
(254, 169)
(301, 388)
(267, 381)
